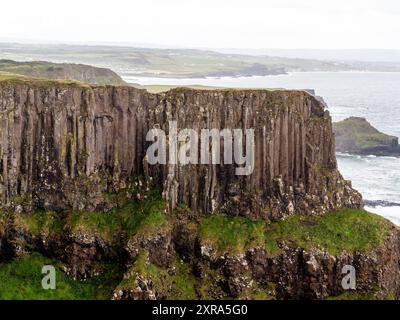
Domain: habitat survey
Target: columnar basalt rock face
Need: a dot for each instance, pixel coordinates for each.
(66, 146)
(295, 165)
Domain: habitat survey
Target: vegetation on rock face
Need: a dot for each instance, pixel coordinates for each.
(165, 255)
(40, 222)
(61, 71)
(354, 295)
(357, 135)
(21, 280)
(138, 216)
(178, 284)
(349, 229)
(231, 234)
(345, 230)
(133, 217)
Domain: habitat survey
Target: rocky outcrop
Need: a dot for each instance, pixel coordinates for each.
(357, 136)
(80, 252)
(291, 273)
(65, 146)
(160, 261)
(316, 274)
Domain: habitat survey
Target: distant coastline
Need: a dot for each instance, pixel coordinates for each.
(130, 75)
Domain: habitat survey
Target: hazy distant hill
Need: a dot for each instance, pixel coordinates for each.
(153, 62)
(64, 71)
(193, 63)
(359, 55)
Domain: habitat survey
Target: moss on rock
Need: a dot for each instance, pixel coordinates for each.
(145, 278)
(349, 229)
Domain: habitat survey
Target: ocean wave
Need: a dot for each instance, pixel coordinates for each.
(381, 203)
(344, 155)
(365, 157)
(390, 213)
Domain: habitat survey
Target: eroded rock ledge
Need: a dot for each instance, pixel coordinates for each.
(188, 256)
(66, 146)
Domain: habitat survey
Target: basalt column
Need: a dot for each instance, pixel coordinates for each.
(67, 146)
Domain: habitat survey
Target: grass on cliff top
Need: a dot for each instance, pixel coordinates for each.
(16, 78)
(61, 71)
(21, 279)
(164, 88)
(350, 230)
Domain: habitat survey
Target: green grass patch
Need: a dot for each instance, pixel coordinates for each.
(40, 222)
(231, 234)
(349, 229)
(134, 217)
(104, 224)
(353, 295)
(148, 214)
(21, 279)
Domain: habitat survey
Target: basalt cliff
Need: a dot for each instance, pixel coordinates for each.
(75, 184)
(66, 146)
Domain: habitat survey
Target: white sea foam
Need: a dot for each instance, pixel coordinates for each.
(390, 213)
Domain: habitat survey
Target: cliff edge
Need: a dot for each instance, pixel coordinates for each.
(68, 145)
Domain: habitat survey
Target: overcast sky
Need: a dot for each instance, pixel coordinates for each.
(325, 24)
